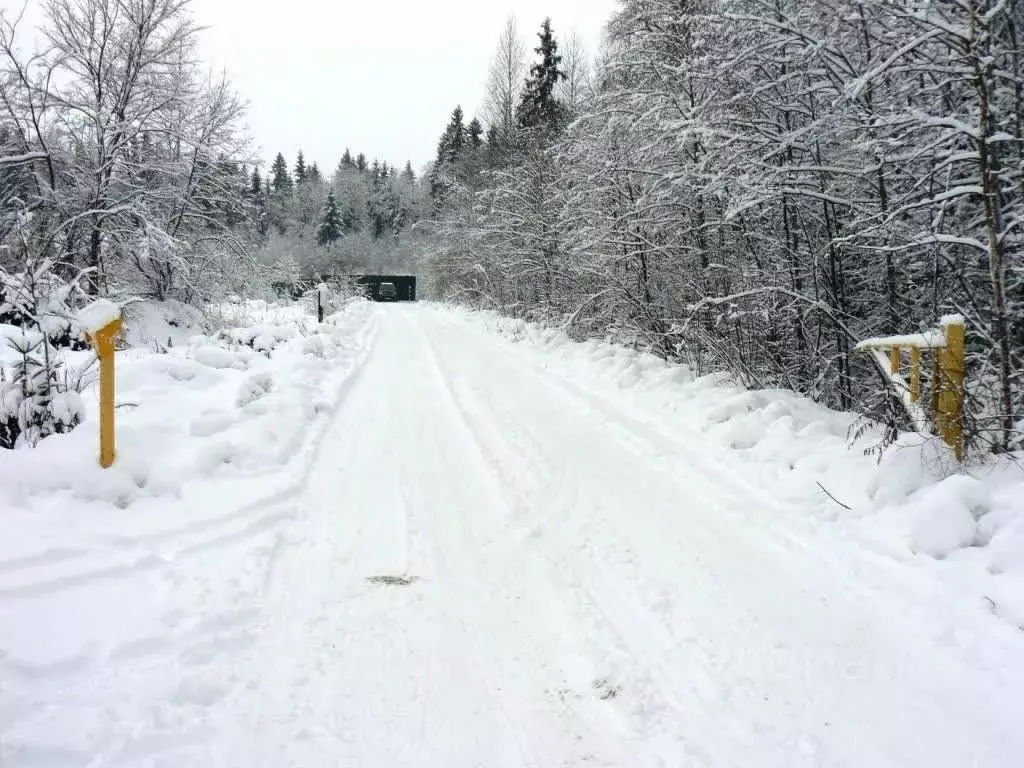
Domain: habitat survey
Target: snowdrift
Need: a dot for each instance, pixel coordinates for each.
(200, 417)
(964, 525)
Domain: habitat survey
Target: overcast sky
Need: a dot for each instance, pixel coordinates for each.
(378, 76)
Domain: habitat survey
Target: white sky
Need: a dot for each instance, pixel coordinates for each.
(378, 76)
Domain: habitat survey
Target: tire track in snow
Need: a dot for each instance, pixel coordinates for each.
(751, 559)
(586, 595)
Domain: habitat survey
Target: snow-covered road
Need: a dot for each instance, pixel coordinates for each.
(584, 588)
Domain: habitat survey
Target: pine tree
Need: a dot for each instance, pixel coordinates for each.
(300, 169)
(314, 174)
(475, 131)
(539, 107)
(453, 139)
(282, 181)
(361, 162)
(256, 192)
(331, 226)
(407, 173)
(346, 159)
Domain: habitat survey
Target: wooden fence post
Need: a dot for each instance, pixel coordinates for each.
(950, 407)
(103, 339)
(948, 373)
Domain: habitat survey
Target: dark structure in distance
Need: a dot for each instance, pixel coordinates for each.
(404, 284)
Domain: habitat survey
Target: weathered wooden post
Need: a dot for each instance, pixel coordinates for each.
(102, 322)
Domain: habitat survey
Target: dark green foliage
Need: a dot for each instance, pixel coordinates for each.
(452, 140)
(475, 130)
(331, 226)
(538, 107)
(280, 178)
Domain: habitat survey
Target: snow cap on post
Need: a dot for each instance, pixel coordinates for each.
(98, 316)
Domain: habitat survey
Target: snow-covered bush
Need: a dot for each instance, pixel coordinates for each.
(39, 298)
(37, 397)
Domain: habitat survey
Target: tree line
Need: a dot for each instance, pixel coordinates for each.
(126, 171)
(358, 219)
(754, 186)
(123, 159)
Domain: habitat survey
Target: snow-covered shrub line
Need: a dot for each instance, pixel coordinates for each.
(915, 503)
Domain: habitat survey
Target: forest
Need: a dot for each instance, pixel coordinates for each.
(754, 186)
(748, 187)
(126, 171)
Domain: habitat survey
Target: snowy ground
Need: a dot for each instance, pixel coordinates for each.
(603, 562)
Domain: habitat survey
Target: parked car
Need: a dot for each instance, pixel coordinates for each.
(387, 292)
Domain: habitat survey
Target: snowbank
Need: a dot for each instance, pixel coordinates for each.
(961, 525)
(208, 416)
(161, 324)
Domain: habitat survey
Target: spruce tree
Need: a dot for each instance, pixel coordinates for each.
(361, 162)
(346, 159)
(282, 181)
(475, 131)
(255, 183)
(331, 226)
(314, 174)
(300, 169)
(538, 107)
(453, 139)
(407, 173)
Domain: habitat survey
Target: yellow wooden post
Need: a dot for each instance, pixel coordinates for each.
(950, 412)
(915, 374)
(894, 359)
(103, 339)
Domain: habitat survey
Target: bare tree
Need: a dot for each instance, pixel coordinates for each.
(576, 65)
(755, 185)
(505, 81)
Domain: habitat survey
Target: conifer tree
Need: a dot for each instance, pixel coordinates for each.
(282, 181)
(539, 107)
(331, 226)
(453, 139)
(361, 162)
(300, 169)
(346, 159)
(256, 183)
(475, 131)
